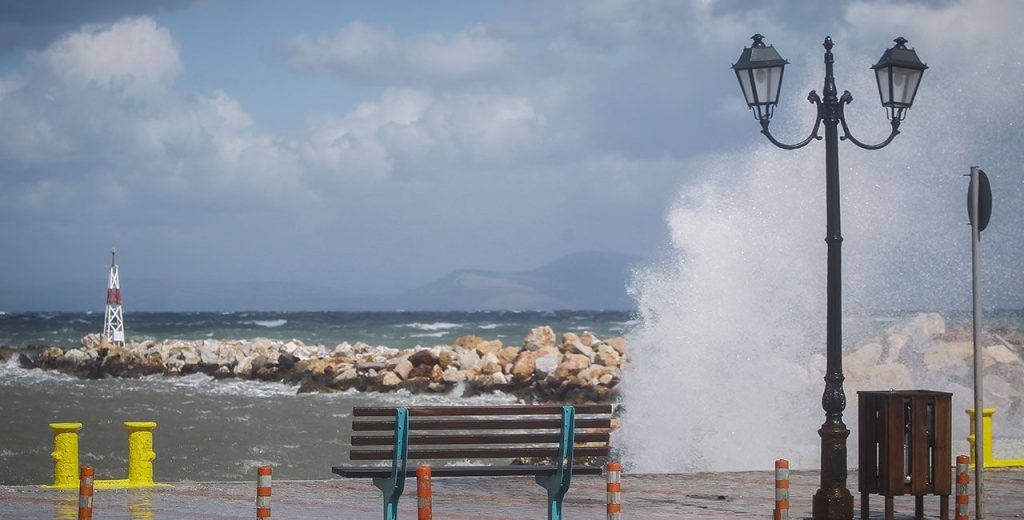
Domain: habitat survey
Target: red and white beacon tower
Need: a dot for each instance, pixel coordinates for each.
(113, 319)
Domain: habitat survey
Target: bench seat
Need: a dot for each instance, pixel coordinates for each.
(516, 470)
(553, 436)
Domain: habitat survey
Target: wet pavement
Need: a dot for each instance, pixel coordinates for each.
(699, 495)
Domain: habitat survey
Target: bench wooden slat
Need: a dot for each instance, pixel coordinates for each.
(478, 424)
(450, 411)
(421, 439)
(482, 453)
(464, 471)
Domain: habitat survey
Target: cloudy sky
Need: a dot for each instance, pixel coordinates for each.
(374, 146)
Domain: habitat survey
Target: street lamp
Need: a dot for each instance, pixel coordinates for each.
(898, 72)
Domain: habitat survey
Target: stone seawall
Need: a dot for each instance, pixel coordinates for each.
(579, 368)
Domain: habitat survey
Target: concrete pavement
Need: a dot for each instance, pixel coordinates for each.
(698, 495)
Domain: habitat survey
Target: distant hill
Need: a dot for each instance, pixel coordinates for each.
(591, 281)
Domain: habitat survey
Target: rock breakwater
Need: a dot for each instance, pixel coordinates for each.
(579, 368)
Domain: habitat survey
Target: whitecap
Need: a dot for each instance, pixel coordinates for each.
(437, 325)
(429, 335)
(270, 324)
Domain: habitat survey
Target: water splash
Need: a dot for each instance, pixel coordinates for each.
(727, 358)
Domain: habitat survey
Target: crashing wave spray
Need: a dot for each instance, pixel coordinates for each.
(727, 359)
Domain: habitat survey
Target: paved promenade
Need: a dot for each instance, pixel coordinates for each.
(704, 495)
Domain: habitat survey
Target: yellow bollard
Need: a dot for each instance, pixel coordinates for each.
(986, 429)
(140, 453)
(986, 424)
(65, 454)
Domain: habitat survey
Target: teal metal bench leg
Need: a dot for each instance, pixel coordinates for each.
(393, 485)
(557, 484)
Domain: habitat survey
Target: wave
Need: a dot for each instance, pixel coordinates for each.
(429, 335)
(437, 325)
(270, 324)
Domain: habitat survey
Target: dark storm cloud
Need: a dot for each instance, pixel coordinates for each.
(35, 23)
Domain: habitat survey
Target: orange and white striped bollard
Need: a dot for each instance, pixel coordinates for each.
(963, 479)
(85, 493)
(614, 472)
(782, 489)
(424, 508)
(263, 479)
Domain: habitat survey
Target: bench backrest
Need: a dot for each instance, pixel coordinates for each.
(484, 432)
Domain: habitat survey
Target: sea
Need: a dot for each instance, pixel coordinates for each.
(224, 429)
(217, 430)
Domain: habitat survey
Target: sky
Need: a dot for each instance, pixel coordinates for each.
(375, 146)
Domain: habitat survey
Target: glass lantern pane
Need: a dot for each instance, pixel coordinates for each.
(748, 93)
(761, 78)
(774, 78)
(909, 78)
(882, 75)
(899, 85)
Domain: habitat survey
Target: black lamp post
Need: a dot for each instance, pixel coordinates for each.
(899, 72)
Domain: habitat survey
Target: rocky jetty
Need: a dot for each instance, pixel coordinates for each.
(579, 368)
(922, 352)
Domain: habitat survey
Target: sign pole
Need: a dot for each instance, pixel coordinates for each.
(979, 437)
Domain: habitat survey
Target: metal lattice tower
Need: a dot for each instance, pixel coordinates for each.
(113, 319)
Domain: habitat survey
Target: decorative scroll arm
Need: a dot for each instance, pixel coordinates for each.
(848, 136)
(812, 98)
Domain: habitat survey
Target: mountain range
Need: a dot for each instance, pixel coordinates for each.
(586, 280)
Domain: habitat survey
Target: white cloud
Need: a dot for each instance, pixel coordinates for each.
(427, 132)
(362, 52)
(134, 56)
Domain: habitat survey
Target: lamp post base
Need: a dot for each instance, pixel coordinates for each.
(832, 504)
(833, 500)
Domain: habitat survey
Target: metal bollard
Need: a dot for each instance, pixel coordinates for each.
(85, 493)
(614, 471)
(263, 477)
(782, 489)
(963, 479)
(65, 454)
(424, 507)
(140, 453)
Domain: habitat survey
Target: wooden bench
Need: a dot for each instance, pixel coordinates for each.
(559, 434)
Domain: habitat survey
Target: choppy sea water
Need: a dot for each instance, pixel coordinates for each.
(222, 429)
(392, 329)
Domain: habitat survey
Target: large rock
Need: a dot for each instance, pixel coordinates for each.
(403, 367)
(490, 364)
(577, 347)
(525, 365)
(467, 358)
(618, 343)
(424, 357)
(568, 338)
(947, 356)
(453, 375)
(546, 364)
(866, 355)
(445, 358)
(609, 358)
(508, 355)
(571, 365)
(995, 354)
(390, 379)
(539, 338)
(489, 347)
(588, 339)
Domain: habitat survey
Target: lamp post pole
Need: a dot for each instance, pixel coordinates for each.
(759, 71)
(833, 499)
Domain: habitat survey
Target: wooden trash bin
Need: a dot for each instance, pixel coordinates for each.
(905, 447)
